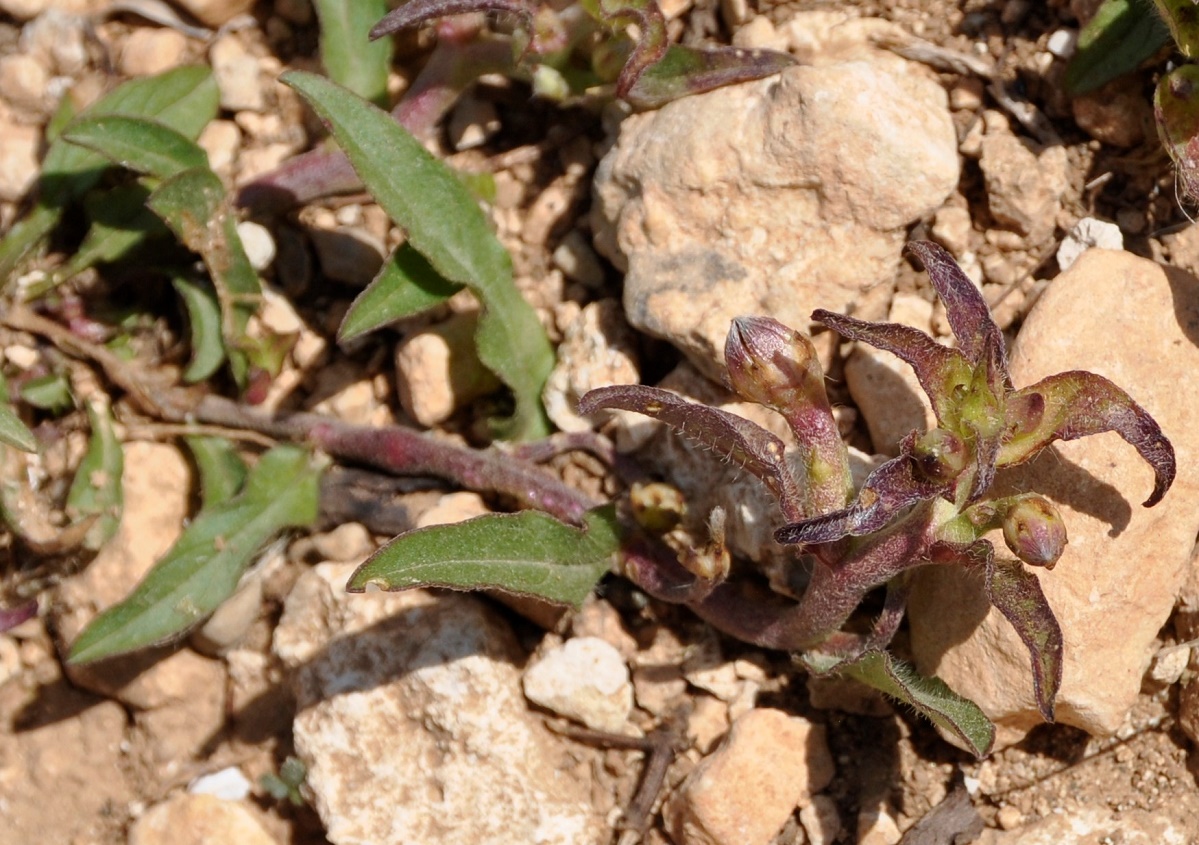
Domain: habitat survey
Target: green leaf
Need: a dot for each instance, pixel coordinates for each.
(446, 226)
(194, 206)
(144, 146)
(406, 285)
(350, 57)
(688, 70)
(184, 98)
(202, 569)
(526, 553)
(930, 697)
(1122, 34)
(14, 432)
(222, 471)
(50, 393)
(96, 489)
(204, 320)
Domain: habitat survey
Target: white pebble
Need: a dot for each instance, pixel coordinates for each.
(1062, 43)
(258, 243)
(228, 784)
(1086, 233)
(585, 679)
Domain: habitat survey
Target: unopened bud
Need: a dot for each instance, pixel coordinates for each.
(771, 364)
(1035, 532)
(940, 455)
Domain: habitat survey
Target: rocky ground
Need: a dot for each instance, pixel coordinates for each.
(451, 718)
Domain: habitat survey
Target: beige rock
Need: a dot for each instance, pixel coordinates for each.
(1094, 824)
(1024, 185)
(952, 227)
(438, 370)
(19, 164)
(347, 542)
(821, 821)
(412, 723)
(760, 34)
(584, 679)
(221, 140)
(597, 350)
(236, 73)
(743, 793)
(472, 122)
(1132, 321)
(57, 38)
(148, 51)
(185, 819)
(743, 201)
(452, 508)
(23, 81)
(214, 13)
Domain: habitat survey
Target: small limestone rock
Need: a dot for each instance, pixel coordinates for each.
(1168, 665)
(185, 819)
(228, 784)
(230, 622)
(952, 227)
(742, 201)
(19, 165)
(452, 508)
(576, 258)
(215, 13)
(597, 350)
(1130, 320)
(743, 793)
(585, 679)
(876, 826)
(821, 821)
(57, 38)
(1086, 233)
(221, 139)
(347, 542)
(258, 243)
(438, 370)
(412, 724)
(472, 123)
(23, 81)
(1024, 187)
(236, 73)
(148, 51)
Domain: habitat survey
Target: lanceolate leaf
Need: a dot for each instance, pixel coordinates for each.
(203, 567)
(444, 224)
(141, 145)
(96, 489)
(928, 696)
(204, 322)
(14, 432)
(406, 285)
(1075, 404)
(349, 57)
(687, 70)
(731, 437)
(222, 471)
(184, 98)
(526, 553)
(1122, 35)
(965, 308)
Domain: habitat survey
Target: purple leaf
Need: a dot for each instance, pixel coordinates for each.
(651, 44)
(1075, 404)
(737, 439)
(978, 337)
(417, 12)
(938, 368)
(688, 70)
(11, 617)
(1016, 593)
(896, 485)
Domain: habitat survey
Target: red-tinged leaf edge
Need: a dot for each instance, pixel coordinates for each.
(1076, 404)
(418, 12)
(11, 617)
(979, 338)
(688, 70)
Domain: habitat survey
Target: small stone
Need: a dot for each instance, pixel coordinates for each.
(58, 38)
(760, 34)
(1009, 817)
(258, 243)
(472, 123)
(230, 622)
(575, 257)
(598, 618)
(1168, 665)
(585, 679)
(185, 819)
(876, 826)
(23, 81)
(598, 349)
(453, 508)
(236, 73)
(228, 784)
(966, 94)
(148, 51)
(257, 161)
(821, 821)
(221, 139)
(216, 13)
(349, 255)
(1090, 824)
(1062, 43)
(349, 541)
(19, 163)
(1085, 234)
(952, 227)
(707, 722)
(438, 370)
(745, 791)
(1024, 188)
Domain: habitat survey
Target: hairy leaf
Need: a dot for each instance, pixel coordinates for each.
(222, 471)
(1176, 111)
(1121, 35)
(688, 70)
(184, 98)
(446, 226)
(652, 40)
(733, 438)
(144, 146)
(1075, 404)
(419, 12)
(977, 335)
(202, 569)
(97, 491)
(347, 51)
(929, 697)
(204, 323)
(526, 553)
(406, 285)
(14, 432)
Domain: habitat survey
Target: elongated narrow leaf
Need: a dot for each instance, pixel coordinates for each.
(194, 206)
(930, 697)
(417, 12)
(689, 70)
(349, 56)
(184, 98)
(222, 471)
(735, 438)
(50, 392)
(96, 490)
(406, 285)
(204, 322)
(967, 311)
(142, 145)
(14, 432)
(1075, 404)
(446, 226)
(203, 567)
(526, 553)
(120, 222)
(1121, 35)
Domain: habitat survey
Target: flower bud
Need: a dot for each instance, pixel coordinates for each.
(940, 455)
(1035, 532)
(771, 364)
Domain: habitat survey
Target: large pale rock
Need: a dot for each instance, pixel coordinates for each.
(774, 197)
(411, 720)
(742, 794)
(1094, 824)
(1136, 323)
(185, 819)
